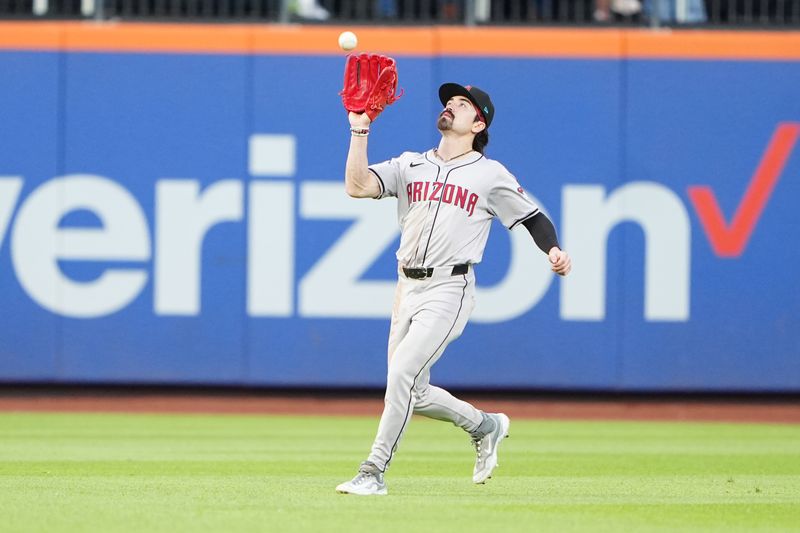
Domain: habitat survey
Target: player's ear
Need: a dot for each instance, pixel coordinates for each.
(478, 126)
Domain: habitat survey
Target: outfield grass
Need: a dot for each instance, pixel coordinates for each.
(97, 472)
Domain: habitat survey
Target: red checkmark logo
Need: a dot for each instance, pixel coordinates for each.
(730, 240)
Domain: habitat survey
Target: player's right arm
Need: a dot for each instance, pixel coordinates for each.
(359, 182)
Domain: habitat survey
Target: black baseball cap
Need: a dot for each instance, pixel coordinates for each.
(475, 95)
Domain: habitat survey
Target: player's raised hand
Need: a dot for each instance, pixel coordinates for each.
(359, 120)
(560, 263)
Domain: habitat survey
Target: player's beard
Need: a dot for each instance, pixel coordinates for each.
(445, 122)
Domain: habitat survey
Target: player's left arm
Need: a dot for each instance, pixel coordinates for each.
(544, 235)
(509, 202)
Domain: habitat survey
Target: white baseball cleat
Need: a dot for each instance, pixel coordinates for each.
(486, 448)
(368, 482)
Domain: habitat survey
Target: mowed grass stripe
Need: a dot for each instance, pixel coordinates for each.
(116, 472)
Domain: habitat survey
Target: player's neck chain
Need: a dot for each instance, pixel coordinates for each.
(436, 153)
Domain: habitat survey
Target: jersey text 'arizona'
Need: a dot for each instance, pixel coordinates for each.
(423, 191)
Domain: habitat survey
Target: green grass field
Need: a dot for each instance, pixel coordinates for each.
(98, 472)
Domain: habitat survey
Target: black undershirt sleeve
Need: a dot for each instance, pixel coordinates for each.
(542, 231)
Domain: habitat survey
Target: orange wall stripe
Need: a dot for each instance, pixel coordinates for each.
(26, 36)
(527, 42)
(415, 41)
(171, 38)
(732, 45)
(411, 41)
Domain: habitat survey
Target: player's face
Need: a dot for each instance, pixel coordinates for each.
(459, 115)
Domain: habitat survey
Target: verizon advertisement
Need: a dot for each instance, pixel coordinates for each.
(179, 218)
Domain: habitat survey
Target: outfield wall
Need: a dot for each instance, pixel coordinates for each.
(172, 209)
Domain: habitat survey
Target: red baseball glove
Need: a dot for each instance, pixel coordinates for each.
(370, 83)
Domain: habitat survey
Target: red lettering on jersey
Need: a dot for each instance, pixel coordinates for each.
(461, 197)
(437, 186)
(447, 197)
(473, 200)
(449, 194)
(417, 191)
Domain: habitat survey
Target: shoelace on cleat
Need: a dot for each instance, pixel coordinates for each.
(477, 444)
(363, 477)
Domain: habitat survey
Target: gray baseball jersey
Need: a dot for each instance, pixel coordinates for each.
(445, 209)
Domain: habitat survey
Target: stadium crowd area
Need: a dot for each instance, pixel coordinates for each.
(746, 13)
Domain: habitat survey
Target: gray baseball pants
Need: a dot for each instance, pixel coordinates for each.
(427, 316)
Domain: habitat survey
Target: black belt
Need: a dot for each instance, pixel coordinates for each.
(422, 273)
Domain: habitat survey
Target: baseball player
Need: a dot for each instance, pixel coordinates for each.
(446, 200)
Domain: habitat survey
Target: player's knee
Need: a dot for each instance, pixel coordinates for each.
(420, 393)
(399, 377)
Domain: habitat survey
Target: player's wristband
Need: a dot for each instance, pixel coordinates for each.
(359, 132)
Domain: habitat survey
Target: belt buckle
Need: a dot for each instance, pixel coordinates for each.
(416, 273)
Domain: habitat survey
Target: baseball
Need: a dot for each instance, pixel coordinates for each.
(347, 40)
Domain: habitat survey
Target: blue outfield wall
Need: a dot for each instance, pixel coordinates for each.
(180, 218)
